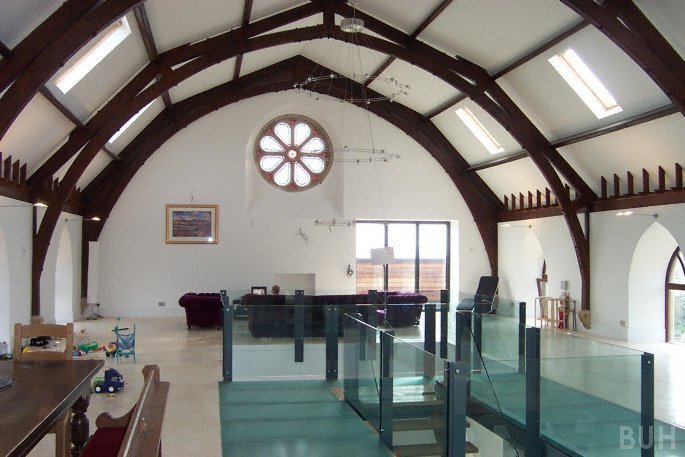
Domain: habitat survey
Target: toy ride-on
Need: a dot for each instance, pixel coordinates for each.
(111, 382)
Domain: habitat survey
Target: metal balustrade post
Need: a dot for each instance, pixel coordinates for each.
(462, 337)
(522, 337)
(456, 379)
(647, 433)
(352, 358)
(372, 319)
(228, 337)
(299, 325)
(429, 340)
(332, 330)
(444, 321)
(533, 442)
(387, 388)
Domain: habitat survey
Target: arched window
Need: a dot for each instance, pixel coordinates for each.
(675, 299)
(293, 153)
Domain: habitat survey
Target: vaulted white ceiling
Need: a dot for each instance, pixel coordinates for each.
(490, 33)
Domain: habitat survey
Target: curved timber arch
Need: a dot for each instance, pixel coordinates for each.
(471, 79)
(103, 192)
(130, 100)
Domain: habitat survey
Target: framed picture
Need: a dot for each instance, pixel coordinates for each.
(191, 224)
(258, 290)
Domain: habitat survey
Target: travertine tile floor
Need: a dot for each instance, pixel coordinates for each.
(191, 361)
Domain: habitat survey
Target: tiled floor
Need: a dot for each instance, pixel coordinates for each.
(191, 361)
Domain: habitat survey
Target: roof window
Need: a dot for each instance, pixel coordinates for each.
(584, 83)
(479, 131)
(109, 39)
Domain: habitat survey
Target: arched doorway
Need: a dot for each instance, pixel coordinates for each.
(64, 280)
(5, 327)
(675, 298)
(646, 314)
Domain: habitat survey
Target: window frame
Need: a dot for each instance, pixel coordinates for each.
(316, 130)
(417, 263)
(677, 259)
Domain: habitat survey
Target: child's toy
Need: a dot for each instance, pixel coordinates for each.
(111, 382)
(111, 349)
(126, 342)
(88, 347)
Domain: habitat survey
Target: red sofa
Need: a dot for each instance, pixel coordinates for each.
(202, 309)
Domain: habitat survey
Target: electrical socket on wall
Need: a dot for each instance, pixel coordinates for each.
(161, 303)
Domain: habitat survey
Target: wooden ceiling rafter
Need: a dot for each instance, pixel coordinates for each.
(49, 96)
(50, 30)
(624, 23)
(47, 61)
(641, 118)
(143, 22)
(247, 12)
(426, 22)
(516, 64)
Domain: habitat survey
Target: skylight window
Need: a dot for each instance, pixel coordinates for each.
(584, 83)
(129, 122)
(111, 37)
(479, 131)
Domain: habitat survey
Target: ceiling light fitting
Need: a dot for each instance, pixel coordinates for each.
(398, 90)
(85, 219)
(630, 213)
(330, 223)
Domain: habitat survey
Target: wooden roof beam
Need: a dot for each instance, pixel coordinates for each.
(426, 22)
(584, 136)
(48, 58)
(625, 24)
(149, 41)
(247, 12)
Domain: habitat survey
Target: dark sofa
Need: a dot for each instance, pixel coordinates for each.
(202, 309)
(271, 316)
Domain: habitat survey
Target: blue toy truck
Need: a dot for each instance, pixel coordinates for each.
(112, 382)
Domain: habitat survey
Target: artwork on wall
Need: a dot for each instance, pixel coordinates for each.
(191, 224)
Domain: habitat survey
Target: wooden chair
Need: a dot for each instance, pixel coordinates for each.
(61, 427)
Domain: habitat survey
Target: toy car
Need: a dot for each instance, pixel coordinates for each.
(111, 382)
(111, 350)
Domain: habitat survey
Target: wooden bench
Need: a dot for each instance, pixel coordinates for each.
(137, 433)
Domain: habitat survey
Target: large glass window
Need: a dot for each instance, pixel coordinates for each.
(421, 252)
(675, 299)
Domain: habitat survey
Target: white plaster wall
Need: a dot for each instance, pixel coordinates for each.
(16, 225)
(210, 162)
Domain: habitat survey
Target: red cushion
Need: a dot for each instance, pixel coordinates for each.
(105, 442)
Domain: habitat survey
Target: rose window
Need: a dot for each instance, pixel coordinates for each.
(293, 153)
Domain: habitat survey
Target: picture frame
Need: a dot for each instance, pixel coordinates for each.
(258, 290)
(191, 224)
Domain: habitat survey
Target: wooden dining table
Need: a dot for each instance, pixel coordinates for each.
(41, 391)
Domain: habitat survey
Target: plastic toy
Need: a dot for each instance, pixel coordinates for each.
(111, 382)
(111, 349)
(126, 342)
(88, 347)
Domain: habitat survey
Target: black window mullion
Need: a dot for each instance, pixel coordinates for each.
(417, 261)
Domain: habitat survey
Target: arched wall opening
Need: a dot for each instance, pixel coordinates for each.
(520, 263)
(5, 285)
(646, 285)
(64, 280)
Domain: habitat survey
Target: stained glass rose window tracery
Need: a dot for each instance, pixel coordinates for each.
(293, 153)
